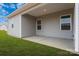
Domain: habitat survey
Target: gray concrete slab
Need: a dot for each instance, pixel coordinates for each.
(65, 44)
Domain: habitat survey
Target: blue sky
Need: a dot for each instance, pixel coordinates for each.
(6, 9)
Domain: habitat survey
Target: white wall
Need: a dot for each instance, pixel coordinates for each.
(76, 27)
(16, 21)
(51, 25)
(28, 26)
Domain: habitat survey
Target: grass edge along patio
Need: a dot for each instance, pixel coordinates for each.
(12, 46)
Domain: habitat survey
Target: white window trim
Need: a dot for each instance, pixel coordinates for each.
(70, 22)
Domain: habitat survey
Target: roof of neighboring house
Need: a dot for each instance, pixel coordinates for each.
(3, 27)
(22, 9)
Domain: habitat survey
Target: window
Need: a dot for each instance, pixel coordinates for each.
(38, 24)
(65, 22)
(39, 27)
(12, 26)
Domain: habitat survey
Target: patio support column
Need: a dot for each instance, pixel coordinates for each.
(76, 27)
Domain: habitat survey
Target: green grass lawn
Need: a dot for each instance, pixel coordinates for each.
(12, 46)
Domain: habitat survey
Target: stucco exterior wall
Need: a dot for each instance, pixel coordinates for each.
(28, 27)
(16, 30)
(51, 25)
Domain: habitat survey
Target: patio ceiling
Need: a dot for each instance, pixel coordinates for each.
(50, 8)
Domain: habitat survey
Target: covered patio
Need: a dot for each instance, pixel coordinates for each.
(50, 33)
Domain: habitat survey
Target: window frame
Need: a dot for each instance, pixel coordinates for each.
(70, 22)
(38, 25)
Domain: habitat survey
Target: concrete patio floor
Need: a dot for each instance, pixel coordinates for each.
(65, 44)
